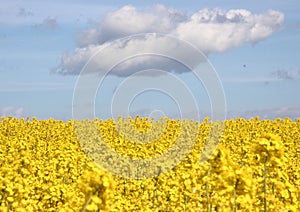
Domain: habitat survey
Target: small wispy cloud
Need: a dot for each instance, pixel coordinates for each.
(48, 23)
(19, 111)
(274, 76)
(292, 112)
(293, 26)
(283, 74)
(250, 80)
(24, 13)
(12, 111)
(3, 36)
(34, 86)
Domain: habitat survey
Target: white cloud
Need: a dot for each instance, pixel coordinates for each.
(210, 30)
(219, 31)
(128, 20)
(87, 37)
(72, 64)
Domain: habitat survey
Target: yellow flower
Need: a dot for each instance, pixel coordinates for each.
(45, 167)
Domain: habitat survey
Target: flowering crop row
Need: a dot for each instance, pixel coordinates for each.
(45, 165)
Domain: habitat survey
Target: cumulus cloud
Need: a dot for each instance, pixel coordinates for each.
(119, 51)
(87, 37)
(129, 20)
(218, 31)
(11, 110)
(210, 30)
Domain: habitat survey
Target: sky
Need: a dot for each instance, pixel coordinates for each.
(252, 49)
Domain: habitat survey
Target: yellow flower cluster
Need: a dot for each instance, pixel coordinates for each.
(42, 168)
(45, 165)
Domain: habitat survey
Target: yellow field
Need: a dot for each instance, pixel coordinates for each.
(255, 167)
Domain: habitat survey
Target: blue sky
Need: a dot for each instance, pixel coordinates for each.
(40, 59)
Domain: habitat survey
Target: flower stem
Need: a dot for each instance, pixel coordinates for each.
(207, 192)
(87, 203)
(265, 183)
(234, 195)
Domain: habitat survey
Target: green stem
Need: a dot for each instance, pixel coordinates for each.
(234, 195)
(153, 197)
(154, 193)
(87, 203)
(99, 188)
(124, 188)
(208, 206)
(184, 197)
(265, 183)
